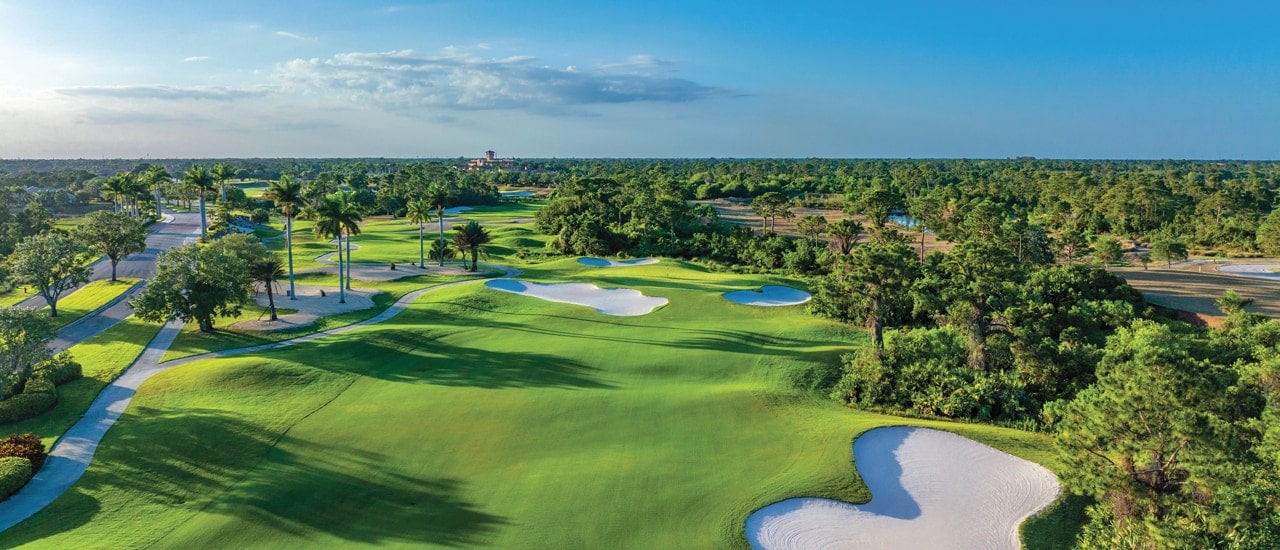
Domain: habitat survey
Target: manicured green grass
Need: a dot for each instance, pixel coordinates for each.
(90, 297)
(103, 357)
(19, 293)
(481, 418)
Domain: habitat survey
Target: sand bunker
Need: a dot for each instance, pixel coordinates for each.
(602, 262)
(769, 296)
(609, 301)
(1257, 271)
(310, 306)
(457, 210)
(929, 489)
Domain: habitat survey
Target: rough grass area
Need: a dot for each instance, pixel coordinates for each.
(15, 296)
(480, 418)
(1196, 291)
(103, 357)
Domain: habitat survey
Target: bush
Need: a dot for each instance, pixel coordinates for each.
(27, 446)
(15, 472)
(27, 404)
(60, 369)
(260, 215)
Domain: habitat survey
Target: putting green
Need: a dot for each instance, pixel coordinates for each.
(487, 419)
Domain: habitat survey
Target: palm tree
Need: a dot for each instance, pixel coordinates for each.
(437, 197)
(471, 238)
(153, 178)
(116, 188)
(287, 194)
(328, 225)
(350, 217)
(221, 173)
(199, 177)
(136, 192)
(420, 212)
(267, 272)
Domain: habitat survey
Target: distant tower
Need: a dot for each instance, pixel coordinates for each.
(488, 155)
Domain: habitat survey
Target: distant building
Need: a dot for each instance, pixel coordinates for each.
(489, 162)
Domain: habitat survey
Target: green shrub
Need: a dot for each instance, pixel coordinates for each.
(27, 446)
(28, 404)
(60, 369)
(40, 384)
(260, 215)
(15, 472)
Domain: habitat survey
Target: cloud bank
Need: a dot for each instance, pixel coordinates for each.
(403, 80)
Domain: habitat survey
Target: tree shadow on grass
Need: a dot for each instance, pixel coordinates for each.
(224, 464)
(409, 355)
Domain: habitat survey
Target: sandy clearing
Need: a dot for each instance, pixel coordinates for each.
(930, 489)
(310, 305)
(385, 273)
(1259, 271)
(609, 301)
(769, 296)
(603, 262)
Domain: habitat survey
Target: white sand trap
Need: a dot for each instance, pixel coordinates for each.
(929, 489)
(609, 301)
(1257, 271)
(769, 296)
(602, 262)
(457, 210)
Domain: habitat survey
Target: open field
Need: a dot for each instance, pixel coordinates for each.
(482, 418)
(90, 297)
(1195, 291)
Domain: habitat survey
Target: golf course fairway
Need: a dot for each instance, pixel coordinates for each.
(487, 419)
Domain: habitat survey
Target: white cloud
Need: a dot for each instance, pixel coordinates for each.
(401, 80)
(195, 58)
(211, 93)
(294, 36)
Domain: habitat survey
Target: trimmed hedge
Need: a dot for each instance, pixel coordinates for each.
(27, 404)
(15, 472)
(60, 369)
(26, 446)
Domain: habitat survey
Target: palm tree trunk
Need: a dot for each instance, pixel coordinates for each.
(421, 252)
(271, 301)
(204, 226)
(222, 191)
(288, 239)
(158, 214)
(348, 260)
(342, 294)
(440, 216)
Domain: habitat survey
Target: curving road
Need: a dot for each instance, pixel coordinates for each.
(176, 229)
(74, 451)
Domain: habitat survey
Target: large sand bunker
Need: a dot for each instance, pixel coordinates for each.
(602, 262)
(769, 296)
(312, 303)
(609, 301)
(929, 489)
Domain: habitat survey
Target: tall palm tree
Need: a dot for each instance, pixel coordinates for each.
(267, 272)
(350, 216)
(473, 239)
(419, 212)
(153, 178)
(199, 177)
(221, 173)
(327, 224)
(287, 194)
(437, 197)
(137, 192)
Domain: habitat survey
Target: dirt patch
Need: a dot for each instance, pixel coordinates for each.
(313, 302)
(1195, 291)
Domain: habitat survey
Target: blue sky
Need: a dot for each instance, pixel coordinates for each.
(655, 79)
